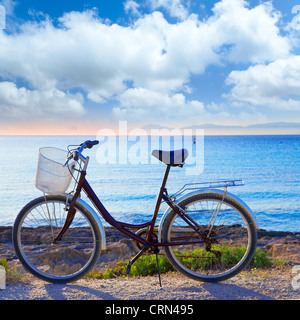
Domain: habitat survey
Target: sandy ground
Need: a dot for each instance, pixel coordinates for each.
(280, 284)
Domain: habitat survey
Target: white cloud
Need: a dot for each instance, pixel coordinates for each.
(152, 106)
(176, 8)
(276, 85)
(21, 102)
(293, 27)
(156, 57)
(174, 110)
(131, 6)
(247, 35)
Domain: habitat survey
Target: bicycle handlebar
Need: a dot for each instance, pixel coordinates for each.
(88, 144)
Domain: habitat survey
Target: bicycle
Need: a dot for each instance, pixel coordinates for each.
(207, 234)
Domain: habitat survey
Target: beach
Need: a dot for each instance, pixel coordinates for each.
(260, 284)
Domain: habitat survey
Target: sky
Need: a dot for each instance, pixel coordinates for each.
(75, 67)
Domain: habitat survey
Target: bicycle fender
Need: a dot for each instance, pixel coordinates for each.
(96, 217)
(228, 194)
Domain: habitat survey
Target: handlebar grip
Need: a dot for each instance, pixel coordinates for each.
(89, 144)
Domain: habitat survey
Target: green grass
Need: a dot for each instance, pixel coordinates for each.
(11, 274)
(230, 257)
(146, 265)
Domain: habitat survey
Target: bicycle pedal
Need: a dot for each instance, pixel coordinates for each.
(128, 268)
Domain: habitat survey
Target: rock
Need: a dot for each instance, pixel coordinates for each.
(5, 234)
(118, 247)
(284, 252)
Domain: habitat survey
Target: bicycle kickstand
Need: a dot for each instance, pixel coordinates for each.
(132, 261)
(156, 251)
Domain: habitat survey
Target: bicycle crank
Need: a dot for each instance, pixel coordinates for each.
(143, 233)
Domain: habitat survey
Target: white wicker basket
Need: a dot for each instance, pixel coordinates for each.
(52, 176)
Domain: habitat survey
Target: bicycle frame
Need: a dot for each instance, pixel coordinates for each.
(122, 226)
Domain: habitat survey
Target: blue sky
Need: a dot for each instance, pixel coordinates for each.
(78, 66)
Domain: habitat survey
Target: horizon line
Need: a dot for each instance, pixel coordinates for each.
(149, 134)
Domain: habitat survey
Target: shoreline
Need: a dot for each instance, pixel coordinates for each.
(277, 244)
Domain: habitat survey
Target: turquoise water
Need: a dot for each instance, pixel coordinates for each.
(269, 166)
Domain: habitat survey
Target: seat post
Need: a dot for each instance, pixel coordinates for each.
(162, 189)
(163, 185)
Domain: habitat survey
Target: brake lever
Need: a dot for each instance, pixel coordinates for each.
(75, 155)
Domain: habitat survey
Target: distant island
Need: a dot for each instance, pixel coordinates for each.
(272, 128)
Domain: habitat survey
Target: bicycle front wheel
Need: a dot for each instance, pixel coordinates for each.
(222, 243)
(66, 260)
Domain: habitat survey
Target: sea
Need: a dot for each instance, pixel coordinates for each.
(127, 178)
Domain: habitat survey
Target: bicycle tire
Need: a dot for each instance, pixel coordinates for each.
(68, 260)
(197, 261)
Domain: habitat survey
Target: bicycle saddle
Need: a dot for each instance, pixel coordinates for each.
(173, 158)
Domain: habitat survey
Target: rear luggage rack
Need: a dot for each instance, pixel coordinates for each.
(208, 185)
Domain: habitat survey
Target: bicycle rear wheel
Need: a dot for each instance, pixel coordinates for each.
(67, 260)
(228, 243)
